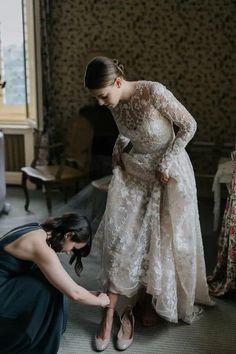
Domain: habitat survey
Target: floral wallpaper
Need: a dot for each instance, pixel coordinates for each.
(188, 45)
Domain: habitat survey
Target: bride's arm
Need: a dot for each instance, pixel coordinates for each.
(120, 145)
(165, 102)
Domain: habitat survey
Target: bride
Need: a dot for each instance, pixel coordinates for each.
(150, 231)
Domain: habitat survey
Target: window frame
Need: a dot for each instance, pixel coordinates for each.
(30, 114)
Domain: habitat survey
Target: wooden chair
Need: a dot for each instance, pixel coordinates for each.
(72, 167)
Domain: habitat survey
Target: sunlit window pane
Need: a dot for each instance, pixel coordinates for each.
(12, 52)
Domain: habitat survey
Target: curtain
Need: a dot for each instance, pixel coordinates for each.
(47, 136)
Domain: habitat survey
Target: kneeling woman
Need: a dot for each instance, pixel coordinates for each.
(33, 281)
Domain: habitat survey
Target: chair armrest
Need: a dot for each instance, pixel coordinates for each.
(48, 147)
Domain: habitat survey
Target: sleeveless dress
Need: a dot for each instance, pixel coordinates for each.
(32, 311)
(150, 233)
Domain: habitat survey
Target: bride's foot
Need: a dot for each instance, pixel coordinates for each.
(102, 337)
(106, 325)
(126, 332)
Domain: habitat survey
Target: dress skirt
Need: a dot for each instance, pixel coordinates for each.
(150, 236)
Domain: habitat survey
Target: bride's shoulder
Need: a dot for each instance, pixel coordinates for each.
(152, 87)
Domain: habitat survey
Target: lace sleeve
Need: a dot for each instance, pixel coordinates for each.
(120, 144)
(165, 102)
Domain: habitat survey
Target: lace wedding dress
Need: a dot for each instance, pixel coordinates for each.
(150, 232)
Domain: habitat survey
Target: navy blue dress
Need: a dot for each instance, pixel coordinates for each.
(32, 311)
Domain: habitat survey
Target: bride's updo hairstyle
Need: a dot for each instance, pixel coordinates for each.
(102, 72)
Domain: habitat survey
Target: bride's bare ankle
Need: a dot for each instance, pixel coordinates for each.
(109, 311)
(108, 316)
(105, 327)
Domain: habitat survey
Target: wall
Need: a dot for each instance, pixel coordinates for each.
(187, 45)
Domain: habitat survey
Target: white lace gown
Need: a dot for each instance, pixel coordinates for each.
(150, 232)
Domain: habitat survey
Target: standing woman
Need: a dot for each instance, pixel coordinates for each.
(33, 281)
(150, 231)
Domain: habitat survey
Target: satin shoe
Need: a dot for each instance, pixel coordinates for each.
(101, 344)
(126, 327)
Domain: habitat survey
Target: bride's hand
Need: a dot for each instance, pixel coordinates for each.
(117, 161)
(163, 177)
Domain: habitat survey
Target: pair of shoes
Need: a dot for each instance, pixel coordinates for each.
(102, 344)
(125, 335)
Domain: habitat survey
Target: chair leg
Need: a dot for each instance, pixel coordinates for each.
(48, 198)
(25, 189)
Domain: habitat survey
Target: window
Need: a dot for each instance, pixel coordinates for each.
(21, 98)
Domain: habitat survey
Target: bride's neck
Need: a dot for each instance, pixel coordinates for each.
(128, 89)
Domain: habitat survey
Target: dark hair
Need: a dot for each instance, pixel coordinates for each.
(81, 232)
(102, 72)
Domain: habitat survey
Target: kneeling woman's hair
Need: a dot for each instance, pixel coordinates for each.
(80, 228)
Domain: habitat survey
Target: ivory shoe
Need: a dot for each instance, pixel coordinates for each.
(101, 344)
(125, 335)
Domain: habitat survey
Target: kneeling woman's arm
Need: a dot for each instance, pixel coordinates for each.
(50, 265)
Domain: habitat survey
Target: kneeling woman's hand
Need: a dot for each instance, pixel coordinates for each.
(105, 301)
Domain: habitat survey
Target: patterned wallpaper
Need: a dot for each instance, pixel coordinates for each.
(188, 45)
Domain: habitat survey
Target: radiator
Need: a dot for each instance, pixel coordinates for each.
(14, 152)
(19, 152)
(4, 207)
(2, 176)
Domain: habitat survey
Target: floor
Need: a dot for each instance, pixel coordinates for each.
(214, 333)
